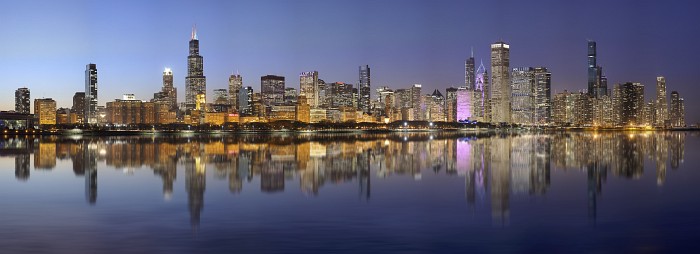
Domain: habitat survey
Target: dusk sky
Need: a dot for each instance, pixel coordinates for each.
(46, 44)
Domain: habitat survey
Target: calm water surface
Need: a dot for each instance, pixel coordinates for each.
(352, 193)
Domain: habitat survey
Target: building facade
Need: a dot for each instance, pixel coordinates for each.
(364, 89)
(500, 78)
(91, 94)
(272, 90)
(195, 82)
(22, 100)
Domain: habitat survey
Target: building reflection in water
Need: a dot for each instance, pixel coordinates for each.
(495, 166)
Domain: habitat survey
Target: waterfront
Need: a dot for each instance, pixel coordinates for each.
(390, 192)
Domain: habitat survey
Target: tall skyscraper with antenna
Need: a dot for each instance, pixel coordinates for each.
(195, 82)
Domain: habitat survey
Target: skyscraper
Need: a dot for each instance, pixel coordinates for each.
(677, 112)
(272, 90)
(481, 105)
(464, 111)
(469, 72)
(500, 78)
(631, 103)
(45, 111)
(90, 94)
(169, 92)
(661, 102)
(78, 107)
(597, 83)
(22, 100)
(195, 82)
(235, 83)
(451, 104)
(416, 102)
(308, 86)
(364, 89)
(523, 99)
(543, 96)
(245, 100)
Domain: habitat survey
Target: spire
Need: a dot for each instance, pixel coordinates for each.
(472, 51)
(194, 32)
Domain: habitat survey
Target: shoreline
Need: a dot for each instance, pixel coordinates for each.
(75, 132)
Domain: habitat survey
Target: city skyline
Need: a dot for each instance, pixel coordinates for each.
(563, 54)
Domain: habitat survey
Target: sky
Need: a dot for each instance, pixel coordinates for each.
(45, 45)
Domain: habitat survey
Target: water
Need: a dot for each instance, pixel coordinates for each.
(351, 193)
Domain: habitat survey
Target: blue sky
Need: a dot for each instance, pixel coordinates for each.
(46, 44)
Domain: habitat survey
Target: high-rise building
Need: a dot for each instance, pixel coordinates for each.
(661, 107)
(522, 94)
(341, 94)
(469, 74)
(677, 112)
(543, 96)
(290, 96)
(235, 83)
(308, 86)
(221, 96)
(500, 78)
(78, 107)
(436, 107)
(245, 100)
(597, 83)
(451, 104)
(195, 82)
(464, 104)
(481, 105)
(90, 94)
(631, 103)
(169, 92)
(22, 100)
(272, 90)
(416, 102)
(45, 111)
(364, 89)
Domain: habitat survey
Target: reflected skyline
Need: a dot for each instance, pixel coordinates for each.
(495, 166)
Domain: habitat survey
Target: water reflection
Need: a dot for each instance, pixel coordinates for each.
(494, 165)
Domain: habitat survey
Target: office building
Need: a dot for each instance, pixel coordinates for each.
(45, 111)
(22, 100)
(308, 87)
(272, 90)
(364, 89)
(91, 94)
(195, 82)
(500, 78)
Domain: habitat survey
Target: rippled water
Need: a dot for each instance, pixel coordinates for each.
(353, 193)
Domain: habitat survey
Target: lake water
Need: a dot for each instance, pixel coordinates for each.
(352, 193)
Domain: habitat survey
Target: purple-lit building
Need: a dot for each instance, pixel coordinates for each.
(464, 101)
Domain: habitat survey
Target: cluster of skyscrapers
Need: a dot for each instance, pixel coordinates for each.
(520, 95)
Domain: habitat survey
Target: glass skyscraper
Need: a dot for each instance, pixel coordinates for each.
(91, 94)
(195, 82)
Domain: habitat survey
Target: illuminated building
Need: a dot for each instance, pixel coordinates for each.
(415, 102)
(631, 103)
(195, 82)
(677, 112)
(302, 110)
(500, 78)
(290, 96)
(661, 108)
(235, 84)
(45, 111)
(597, 83)
(464, 104)
(308, 85)
(22, 100)
(364, 89)
(168, 94)
(245, 101)
(78, 108)
(469, 74)
(91, 94)
(451, 104)
(523, 99)
(201, 102)
(543, 96)
(481, 105)
(272, 90)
